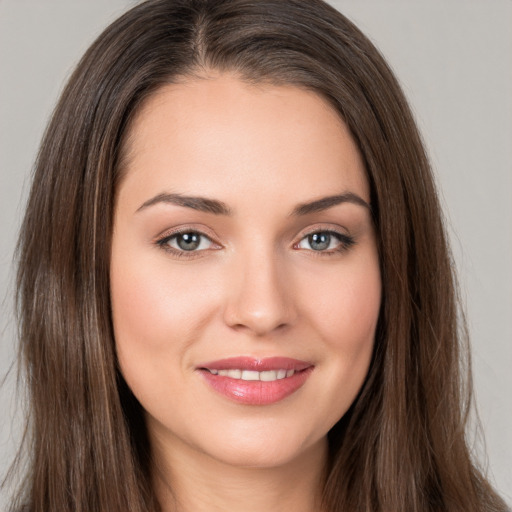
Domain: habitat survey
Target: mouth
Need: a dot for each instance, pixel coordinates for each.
(252, 375)
(253, 381)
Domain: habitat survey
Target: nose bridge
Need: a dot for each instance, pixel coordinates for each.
(260, 295)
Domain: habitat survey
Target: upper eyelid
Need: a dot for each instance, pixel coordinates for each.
(206, 232)
(169, 233)
(164, 241)
(324, 229)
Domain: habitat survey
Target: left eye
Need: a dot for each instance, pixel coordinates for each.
(189, 241)
(323, 241)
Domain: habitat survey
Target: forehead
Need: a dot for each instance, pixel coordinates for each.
(223, 137)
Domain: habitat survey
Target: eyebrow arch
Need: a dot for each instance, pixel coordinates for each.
(202, 204)
(324, 203)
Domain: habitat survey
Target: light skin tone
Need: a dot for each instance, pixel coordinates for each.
(273, 269)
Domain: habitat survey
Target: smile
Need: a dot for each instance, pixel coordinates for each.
(252, 381)
(266, 376)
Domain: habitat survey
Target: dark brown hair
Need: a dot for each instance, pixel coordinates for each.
(401, 446)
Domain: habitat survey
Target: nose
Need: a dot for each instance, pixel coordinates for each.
(260, 296)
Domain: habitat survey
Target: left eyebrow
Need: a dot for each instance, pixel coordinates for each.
(319, 205)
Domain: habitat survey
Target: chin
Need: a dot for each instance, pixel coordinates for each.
(265, 450)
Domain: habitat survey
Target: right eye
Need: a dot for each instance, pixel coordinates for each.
(186, 242)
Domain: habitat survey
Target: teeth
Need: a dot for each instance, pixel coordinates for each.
(234, 374)
(250, 375)
(266, 376)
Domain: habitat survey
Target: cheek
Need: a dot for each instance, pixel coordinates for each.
(148, 296)
(345, 315)
(344, 305)
(156, 310)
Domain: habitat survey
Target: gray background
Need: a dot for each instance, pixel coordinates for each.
(454, 60)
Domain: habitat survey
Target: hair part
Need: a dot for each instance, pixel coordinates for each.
(402, 445)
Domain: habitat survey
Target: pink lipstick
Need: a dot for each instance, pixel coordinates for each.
(253, 381)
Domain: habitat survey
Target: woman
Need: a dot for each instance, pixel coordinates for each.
(239, 187)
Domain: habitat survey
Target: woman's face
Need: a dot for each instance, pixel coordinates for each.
(244, 274)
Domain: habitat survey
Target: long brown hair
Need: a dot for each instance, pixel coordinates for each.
(401, 446)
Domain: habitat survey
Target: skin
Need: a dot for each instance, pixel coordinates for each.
(255, 287)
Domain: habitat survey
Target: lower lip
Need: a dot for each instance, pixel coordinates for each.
(256, 392)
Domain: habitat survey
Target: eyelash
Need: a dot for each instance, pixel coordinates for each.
(346, 242)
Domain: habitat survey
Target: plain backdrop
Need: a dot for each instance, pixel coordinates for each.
(454, 60)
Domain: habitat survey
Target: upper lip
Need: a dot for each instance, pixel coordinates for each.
(256, 364)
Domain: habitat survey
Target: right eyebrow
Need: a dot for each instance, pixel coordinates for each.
(202, 204)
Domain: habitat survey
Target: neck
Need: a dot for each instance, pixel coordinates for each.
(200, 483)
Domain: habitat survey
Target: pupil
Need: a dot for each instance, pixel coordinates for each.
(319, 241)
(188, 241)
